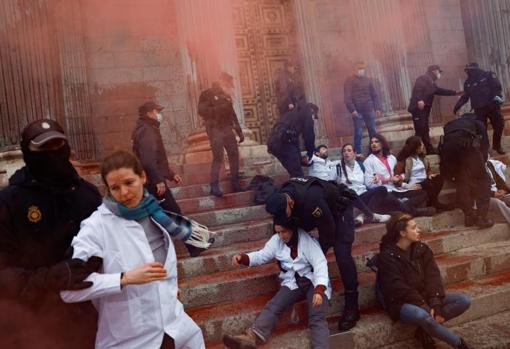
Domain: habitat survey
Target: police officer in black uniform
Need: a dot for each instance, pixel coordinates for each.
(284, 138)
(327, 207)
(422, 97)
(40, 213)
(215, 107)
(463, 151)
(289, 91)
(148, 146)
(485, 92)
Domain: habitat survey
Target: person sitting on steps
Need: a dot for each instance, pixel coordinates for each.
(411, 285)
(304, 275)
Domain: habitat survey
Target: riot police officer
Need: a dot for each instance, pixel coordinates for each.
(485, 92)
(40, 212)
(326, 207)
(463, 151)
(420, 105)
(289, 90)
(215, 107)
(283, 140)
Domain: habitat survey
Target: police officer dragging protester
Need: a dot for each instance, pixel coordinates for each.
(485, 92)
(463, 150)
(40, 213)
(284, 138)
(422, 97)
(148, 147)
(289, 90)
(215, 107)
(326, 208)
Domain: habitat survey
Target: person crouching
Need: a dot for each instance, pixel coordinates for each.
(304, 275)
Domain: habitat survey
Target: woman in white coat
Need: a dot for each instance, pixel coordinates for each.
(135, 292)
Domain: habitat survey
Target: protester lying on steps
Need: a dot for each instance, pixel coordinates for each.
(304, 276)
(329, 170)
(414, 165)
(379, 166)
(500, 199)
(411, 284)
(135, 291)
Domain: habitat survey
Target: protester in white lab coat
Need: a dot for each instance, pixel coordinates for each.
(379, 166)
(500, 191)
(321, 167)
(304, 275)
(135, 291)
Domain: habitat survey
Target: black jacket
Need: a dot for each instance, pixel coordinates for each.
(37, 225)
(288, 91)
(360, 94)
(480, 87)
(300, 121)
(216, 108)
(414, 280)
(148, 146)
(425, 89)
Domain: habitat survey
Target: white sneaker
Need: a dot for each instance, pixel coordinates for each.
(359, 220)
(381, 218)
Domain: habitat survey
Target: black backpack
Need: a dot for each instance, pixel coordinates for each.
(263, 186)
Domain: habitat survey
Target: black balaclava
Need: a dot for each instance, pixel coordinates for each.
(51, 168)
(473, 73)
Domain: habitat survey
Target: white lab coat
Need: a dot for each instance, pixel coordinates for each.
(323, 168)
(356, 177)
(310, 261)
(374, 166)
(136, 316)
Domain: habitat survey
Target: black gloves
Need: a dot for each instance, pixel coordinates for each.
(345, 198)
(71, 273)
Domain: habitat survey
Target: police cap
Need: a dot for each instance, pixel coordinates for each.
(39, 132)
(148, 107)
(276, 205)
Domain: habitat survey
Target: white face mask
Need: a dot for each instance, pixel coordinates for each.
(438, 75)
(159, 117)
(361, 72)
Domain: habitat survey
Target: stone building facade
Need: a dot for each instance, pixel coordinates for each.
(90, 63)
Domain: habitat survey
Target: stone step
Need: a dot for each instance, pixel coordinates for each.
(489, 295)
(231, 216)
(218, 258)
(212, 203)
(232, 285)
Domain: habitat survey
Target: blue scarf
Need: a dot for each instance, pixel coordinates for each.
(178, 227)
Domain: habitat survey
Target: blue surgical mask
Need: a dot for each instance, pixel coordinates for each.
(159, 117)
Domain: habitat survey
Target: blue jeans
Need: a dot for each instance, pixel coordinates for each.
(453, 305)
(367, 118)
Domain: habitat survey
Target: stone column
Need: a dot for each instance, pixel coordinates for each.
(207, 40)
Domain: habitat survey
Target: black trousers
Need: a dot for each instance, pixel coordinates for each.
(473, 184)
(432, 187)
(493, 113)
(371, 200)
(167, 200)
(290, 158)
(342, 246)
(223, 138)
(421, 127)
(168, 342)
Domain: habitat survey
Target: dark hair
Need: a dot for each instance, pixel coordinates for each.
(318, 148)
(396, 224)
(384, 144)
(289, 223)
(120, 159)
(342, 163)
(410, 148)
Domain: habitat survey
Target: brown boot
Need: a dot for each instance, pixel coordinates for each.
(247, 340)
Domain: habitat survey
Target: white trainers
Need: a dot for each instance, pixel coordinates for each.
(359, 220)
(381, 218)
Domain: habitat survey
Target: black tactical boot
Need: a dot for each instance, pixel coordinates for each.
(215, 190)
(463, 345)
(247, 340)
(350, 315)
(236, 186)
(484, 222)
(469, 219)
(424, 338)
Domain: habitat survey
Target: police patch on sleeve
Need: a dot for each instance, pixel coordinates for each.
(34, 214)
(317, 212)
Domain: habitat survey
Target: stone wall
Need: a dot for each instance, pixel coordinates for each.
(132, 55)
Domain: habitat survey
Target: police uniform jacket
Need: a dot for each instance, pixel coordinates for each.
(288, 91)
(215, 107)
(481, 90)
(300, 121)
(425, 89)
(409, 278)
(134, 316)
(360, 94)
(309, 263)
(148, 146)
(37, 225)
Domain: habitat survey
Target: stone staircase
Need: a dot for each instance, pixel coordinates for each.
(223, 300)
